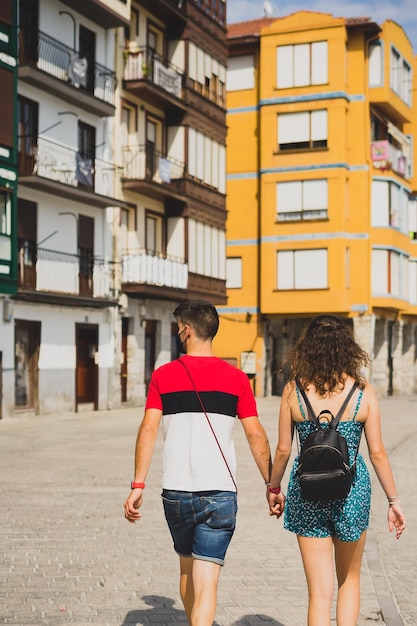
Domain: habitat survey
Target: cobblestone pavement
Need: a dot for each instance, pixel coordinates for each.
(69, 557)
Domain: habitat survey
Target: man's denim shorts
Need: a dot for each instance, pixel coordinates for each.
(201, 523)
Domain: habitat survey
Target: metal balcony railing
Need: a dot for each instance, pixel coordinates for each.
(145, 268)
(144, 63)
(56, 59)
(57, 272)
(40, 157)
(145, 163)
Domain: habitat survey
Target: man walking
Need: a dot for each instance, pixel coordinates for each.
(198, 398)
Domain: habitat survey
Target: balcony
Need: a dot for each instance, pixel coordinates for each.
(60, 277)
(151, 275)
(104, 13)
(48, 64)
(386, 156)
(170, 12)
(58, 169)
(152, 173)
(149, 78)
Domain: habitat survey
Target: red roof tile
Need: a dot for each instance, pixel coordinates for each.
(251, 27)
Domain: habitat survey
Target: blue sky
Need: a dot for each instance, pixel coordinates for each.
(404, 12)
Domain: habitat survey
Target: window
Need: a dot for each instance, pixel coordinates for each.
(234, 273)
(395, 71)
(407, 79)
(412, 279)
(412, 218)
(154, 234)
(128, 124)
(389, 273)
(302, 200)
(375, 64)
(389, 205)
(206, 160)
(240, 73)
(206, 250)
(302, 131)
(302, 64)
(400, 76)
(5, 229)
(302, 269)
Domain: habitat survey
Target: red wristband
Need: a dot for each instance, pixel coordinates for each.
(134, 485)
(275, 490)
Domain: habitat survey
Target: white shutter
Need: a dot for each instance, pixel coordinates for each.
(207, 250)
(192, 152)
(285, 269)
(379, 272)
(192, 246)
(301, 65)
(240, 73)
(394, 192)
(200, 247)
(318, 125)
(380, 203)
(395, 273)
(207, 160)
(207, 65)
(222, 254)
(412, 216)
(293, 127)
(375, 65)
(222, 169)
(192, 61)
(200, 66)
(289, 197)
(234, 273)
(215, 164)
(310, 269)
(319, 63)
(284, 67)
(404, 278)
(315, 195)
(412, 282)
(215, 253)
(200, 156)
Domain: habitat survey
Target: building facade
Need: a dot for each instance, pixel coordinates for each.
(120, 210)
(320, 183)
(171, 143)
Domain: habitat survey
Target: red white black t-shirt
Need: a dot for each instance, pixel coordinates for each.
(192, 460)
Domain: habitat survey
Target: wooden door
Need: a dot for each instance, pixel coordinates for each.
(86, 386)
(150, 350)
(123, 365)
(27, 343)
(86, 254)
(26, 234)
(87, 50)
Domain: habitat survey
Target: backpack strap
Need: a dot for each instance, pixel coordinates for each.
(335, 420)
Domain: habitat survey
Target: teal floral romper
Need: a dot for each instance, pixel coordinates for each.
(344, 519)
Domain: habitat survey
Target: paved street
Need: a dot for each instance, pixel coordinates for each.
(69, 557)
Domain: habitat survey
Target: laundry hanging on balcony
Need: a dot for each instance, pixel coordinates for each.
(77, 70)
(84, 170)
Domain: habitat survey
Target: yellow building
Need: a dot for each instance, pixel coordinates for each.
(321, 217)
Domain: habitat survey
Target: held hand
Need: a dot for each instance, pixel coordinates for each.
(132, 504)
(276, 503)
(396, 519)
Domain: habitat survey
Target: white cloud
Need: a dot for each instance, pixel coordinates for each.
(402, 11)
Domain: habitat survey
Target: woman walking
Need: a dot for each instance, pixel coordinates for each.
(326, 362)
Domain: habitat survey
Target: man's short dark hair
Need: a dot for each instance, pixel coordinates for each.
(199, 314)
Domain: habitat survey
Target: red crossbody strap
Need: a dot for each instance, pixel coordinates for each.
(209, 423)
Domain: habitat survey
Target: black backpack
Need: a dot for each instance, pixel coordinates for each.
(324, 471)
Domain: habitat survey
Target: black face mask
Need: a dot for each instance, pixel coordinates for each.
(179, 343)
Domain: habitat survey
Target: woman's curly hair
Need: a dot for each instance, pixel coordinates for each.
(325, 354)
